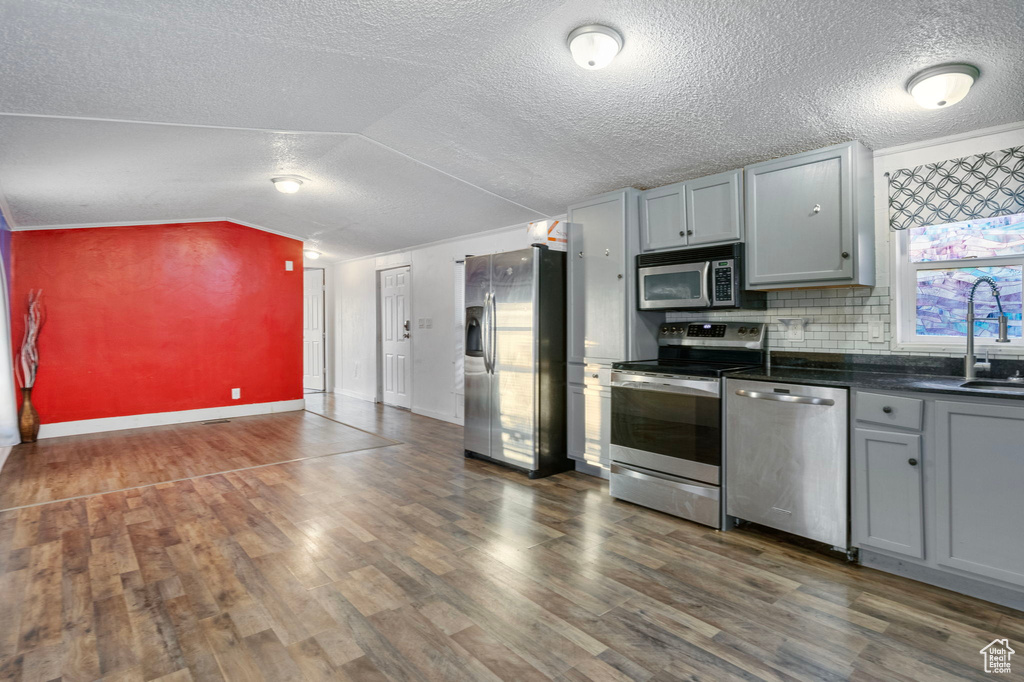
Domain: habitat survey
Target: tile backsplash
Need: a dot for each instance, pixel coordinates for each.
(838, 320)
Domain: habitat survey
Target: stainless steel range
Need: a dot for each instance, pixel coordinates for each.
(666, 430)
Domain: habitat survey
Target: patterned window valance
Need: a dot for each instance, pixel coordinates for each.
(974, 187)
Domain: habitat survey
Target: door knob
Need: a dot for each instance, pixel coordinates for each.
(846, 254)
(620, 276)
(581, 254)
(912, 462)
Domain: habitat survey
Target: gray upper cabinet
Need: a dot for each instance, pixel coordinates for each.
(810, 219)
(887, 502)
(979, 479)
(662, 218)
(704, 211)
(597, 285)
(714, 208)
(604, 324)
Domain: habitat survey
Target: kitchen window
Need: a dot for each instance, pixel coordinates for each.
(938, 265)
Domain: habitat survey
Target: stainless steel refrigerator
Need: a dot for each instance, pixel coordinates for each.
(515, 360)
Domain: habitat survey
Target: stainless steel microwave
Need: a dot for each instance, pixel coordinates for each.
(695, 279)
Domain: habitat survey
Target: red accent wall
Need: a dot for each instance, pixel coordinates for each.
(160, 318)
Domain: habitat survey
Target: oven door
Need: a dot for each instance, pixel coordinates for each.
(674, 287)
(670, 425)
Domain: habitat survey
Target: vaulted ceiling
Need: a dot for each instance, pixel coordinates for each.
(416, 121)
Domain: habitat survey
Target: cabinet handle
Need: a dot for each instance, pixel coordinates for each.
(846, 254)
(581, 254)
(682, 233)
(620, 276)
(595, 375)
(689, 233)
(817, 208)
(912, 462)
(887, 409)
(607, 252)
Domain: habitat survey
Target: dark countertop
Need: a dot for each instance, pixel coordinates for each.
(882, 373)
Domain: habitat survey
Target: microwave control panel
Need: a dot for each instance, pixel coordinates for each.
(724, 283)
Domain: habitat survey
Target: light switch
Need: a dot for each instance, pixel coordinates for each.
(430, 323)
(236, 393)
(875, 331)
(289, 265)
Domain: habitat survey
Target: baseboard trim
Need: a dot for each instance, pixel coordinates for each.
(591, 469)
(440, 416)
(355, 394)
(1005, 596)
(136, 421)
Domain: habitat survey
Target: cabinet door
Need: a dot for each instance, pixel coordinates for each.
(714, 208)
(800, 219)
(576, 422)
(979, 486)
(597, 282)
(662, 218)
(598, 430)
(888, 511)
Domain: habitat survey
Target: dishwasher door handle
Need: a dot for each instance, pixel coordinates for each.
(785, 397)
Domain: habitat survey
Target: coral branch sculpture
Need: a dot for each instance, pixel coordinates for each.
(27, 363)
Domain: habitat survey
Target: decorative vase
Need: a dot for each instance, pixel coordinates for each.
(28, 418)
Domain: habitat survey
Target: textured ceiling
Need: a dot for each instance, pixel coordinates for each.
(470, 115)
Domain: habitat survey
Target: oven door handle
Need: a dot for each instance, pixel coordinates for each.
(785, 397)
(687, 388)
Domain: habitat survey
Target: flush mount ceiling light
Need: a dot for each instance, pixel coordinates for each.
(942, 86)
(286, 185)
(594, 46)
(311, 254)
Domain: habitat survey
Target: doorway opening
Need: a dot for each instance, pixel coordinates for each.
(314, 332)
(394, 334)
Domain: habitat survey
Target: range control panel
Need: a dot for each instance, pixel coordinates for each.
(712, 333)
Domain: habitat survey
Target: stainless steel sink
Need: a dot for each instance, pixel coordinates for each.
(993, 385)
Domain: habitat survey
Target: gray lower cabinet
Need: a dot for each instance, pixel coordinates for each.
(810, 219)
(703, 211)
(887, 484)
(598, 428)
(576, 422)
(979, 487)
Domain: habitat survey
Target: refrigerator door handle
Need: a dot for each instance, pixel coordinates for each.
(492, 321)
(486, 332)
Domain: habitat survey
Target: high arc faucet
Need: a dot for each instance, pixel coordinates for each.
(970, 363)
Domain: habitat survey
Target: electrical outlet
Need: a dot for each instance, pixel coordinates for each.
(430, 323)
(236, 393)
(420, 322)
(875, 331)
(289, 265)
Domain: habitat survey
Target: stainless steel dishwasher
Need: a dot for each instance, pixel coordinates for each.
(787, 453)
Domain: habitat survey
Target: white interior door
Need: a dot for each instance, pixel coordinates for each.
(395, 332)
(313, 330)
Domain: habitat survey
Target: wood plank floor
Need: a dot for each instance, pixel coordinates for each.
(408, 562)
(58, 468)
